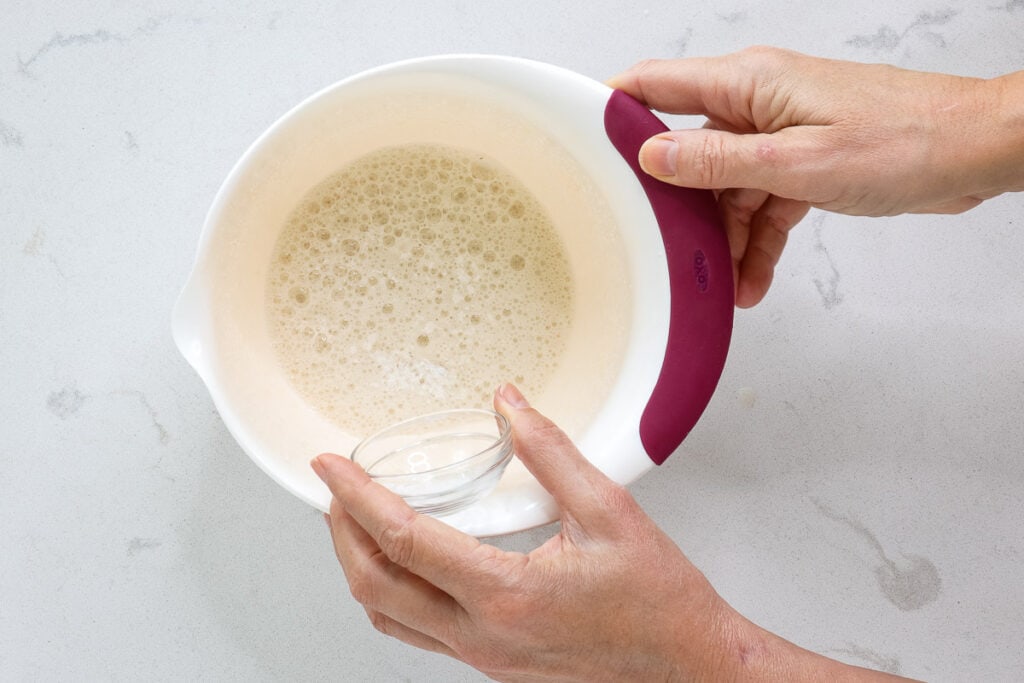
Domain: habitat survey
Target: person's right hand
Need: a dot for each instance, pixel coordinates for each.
(786, 132)
(609, 597)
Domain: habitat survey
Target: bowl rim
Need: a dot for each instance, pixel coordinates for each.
(579, 100)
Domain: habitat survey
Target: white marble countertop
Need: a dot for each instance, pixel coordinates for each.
(855, 485)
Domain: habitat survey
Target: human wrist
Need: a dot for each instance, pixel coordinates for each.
(748, 652)
(996, 150)
(1011, 119)
(733, 648)
(751, 653)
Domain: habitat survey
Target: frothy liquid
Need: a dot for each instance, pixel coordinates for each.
(416, 279)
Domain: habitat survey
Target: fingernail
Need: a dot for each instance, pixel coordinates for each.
(511, 396)
(318, 467)
(658, 156)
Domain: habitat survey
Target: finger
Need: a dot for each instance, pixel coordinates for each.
(728, 86)
(385, 588)
(737, 207)
(952, 206)
(676, 86)
(409, 636)
(549, 454)
(769, 231)
(781, 163)
(350, 540)
(427, 547)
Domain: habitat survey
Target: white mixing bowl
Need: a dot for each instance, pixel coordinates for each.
(654, 253)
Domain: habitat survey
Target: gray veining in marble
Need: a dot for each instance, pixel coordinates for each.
(910, 584)
(869, 658)
(855, 484)
(828, 287)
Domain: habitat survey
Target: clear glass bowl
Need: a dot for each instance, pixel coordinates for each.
(442, 462)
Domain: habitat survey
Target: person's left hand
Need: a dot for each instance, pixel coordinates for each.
(610, 597)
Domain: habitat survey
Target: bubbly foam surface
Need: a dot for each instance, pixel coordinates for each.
(413, 280)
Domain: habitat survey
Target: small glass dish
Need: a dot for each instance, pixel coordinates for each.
(442, 462)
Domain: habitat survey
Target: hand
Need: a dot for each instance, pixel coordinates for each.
(786, 132)
(610, 597)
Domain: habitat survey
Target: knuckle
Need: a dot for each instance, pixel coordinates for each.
(506, 613)
(742, 202)
(398, 540)
(618, 501)
(366, 578)
(643, 68)
(504, 572)
(622, 517)
(362, 587)
(493, 660)
(776, 228)
(644, 73)
(542, 431)
(761, 55)
(645, 65)
(380, 622)
(709, 159)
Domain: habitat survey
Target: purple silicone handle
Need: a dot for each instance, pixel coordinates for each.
(700, 283)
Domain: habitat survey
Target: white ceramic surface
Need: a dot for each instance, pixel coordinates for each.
(544, 124)
(855, 484)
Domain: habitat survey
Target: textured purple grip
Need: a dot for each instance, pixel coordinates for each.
(700, 280)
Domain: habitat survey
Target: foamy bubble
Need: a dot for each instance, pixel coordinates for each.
(414, 280)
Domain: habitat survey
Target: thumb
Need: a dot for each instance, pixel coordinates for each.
(549, 454)
(715, 159)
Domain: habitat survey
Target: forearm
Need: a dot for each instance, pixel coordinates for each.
(797, 664)
(751, 653)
